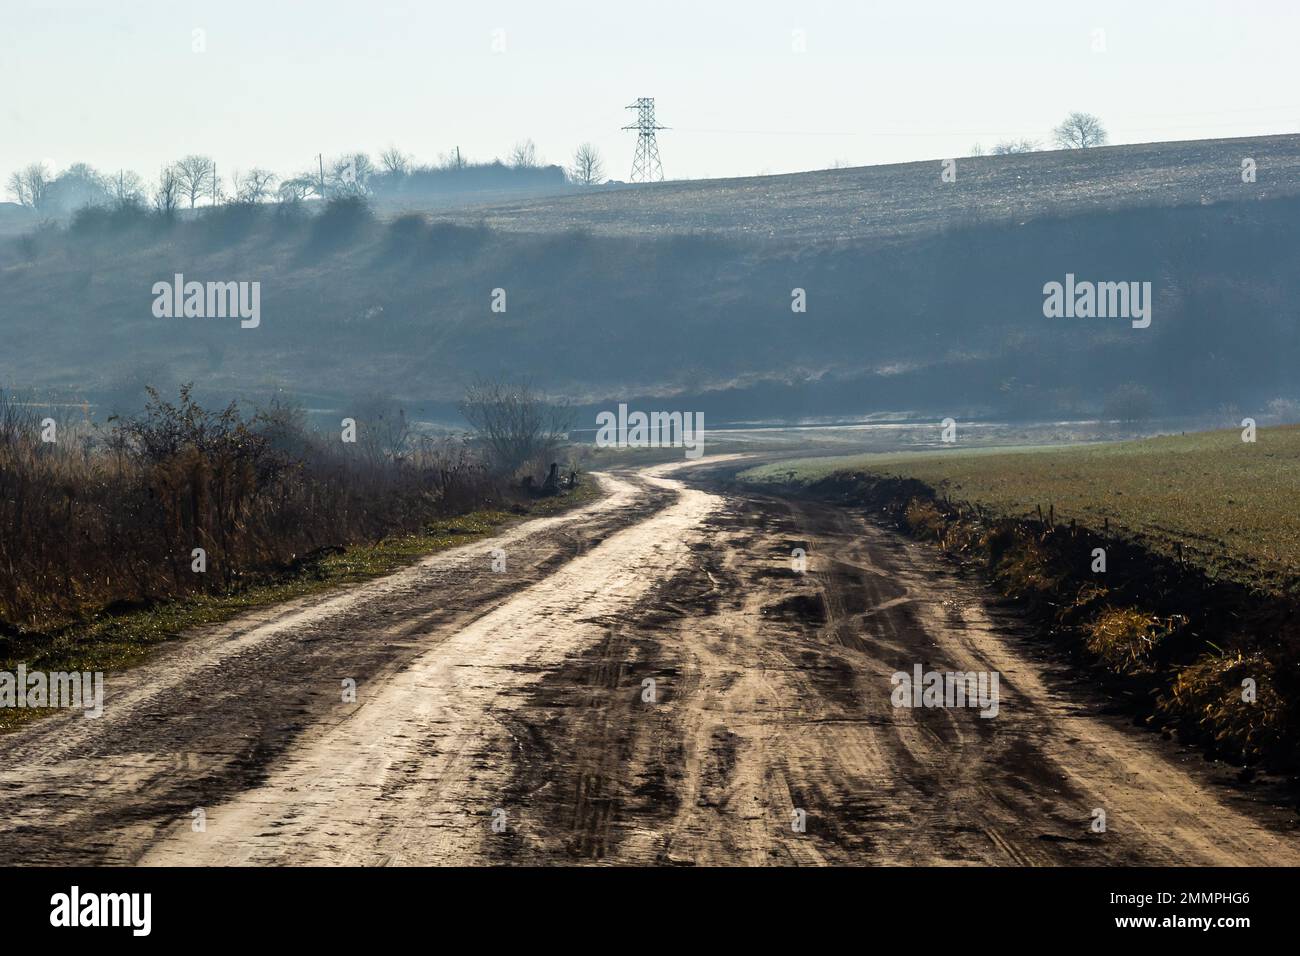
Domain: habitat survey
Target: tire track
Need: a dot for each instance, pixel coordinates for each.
(653, 683)
(210, 716)
(419, 773)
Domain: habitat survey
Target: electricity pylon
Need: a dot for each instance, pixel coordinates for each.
(646, 167)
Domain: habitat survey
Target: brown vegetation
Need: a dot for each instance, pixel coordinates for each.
(111, 517)
(1213, 658)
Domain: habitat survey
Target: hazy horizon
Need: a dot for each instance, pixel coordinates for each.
(122, 86)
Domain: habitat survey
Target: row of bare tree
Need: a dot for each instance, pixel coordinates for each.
(194, 180)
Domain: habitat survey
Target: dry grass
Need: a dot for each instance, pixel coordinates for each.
(110, 518)
(1212, 693)
(100, 524)
(1127, 640)
(924, 520)
(112, 642)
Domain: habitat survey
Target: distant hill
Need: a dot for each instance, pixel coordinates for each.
(879, 202)
(921, 295)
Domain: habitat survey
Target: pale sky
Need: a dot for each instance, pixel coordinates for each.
(117, 83)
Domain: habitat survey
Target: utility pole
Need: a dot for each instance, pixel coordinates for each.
(320, 158)
(645, 166)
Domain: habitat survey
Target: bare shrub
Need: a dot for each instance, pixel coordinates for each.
(110, 516)
(515, 425)
(1009, 147)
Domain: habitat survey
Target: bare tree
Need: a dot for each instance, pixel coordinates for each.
(254, 186)
(167, 194)
(1009, 146)
(1080, 131)
(515, 424)
(195, 175)
(28, 186)
(524, 155)
(78, 185)
(125, 188)
(588, 168)
(298, 188)
(350, 175)
(394, 162)
(383, 428)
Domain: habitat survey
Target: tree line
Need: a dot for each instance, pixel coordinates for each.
(194, 180)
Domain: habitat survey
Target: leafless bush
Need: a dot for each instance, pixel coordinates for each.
(515, 424)
(1009, 147)
(383, 429)
(112, 515)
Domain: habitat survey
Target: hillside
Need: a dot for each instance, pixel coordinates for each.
(873, 202)
(921, 296)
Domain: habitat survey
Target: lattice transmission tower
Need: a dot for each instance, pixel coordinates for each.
(645, 166)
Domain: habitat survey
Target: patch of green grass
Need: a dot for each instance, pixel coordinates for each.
(114, 642)
(1231, 506)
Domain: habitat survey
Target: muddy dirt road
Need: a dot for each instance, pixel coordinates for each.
(649, 681)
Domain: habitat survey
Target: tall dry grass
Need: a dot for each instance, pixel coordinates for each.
(109, 516)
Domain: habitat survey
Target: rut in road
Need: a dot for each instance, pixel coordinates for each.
(528, 704)
(774, 697)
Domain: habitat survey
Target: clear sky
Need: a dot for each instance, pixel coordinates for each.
(117, 83)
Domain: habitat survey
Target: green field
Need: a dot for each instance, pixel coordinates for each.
(1232, 505)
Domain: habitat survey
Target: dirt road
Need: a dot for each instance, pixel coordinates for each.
(648, 681)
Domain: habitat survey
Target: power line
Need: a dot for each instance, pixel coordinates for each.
(958, 132)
